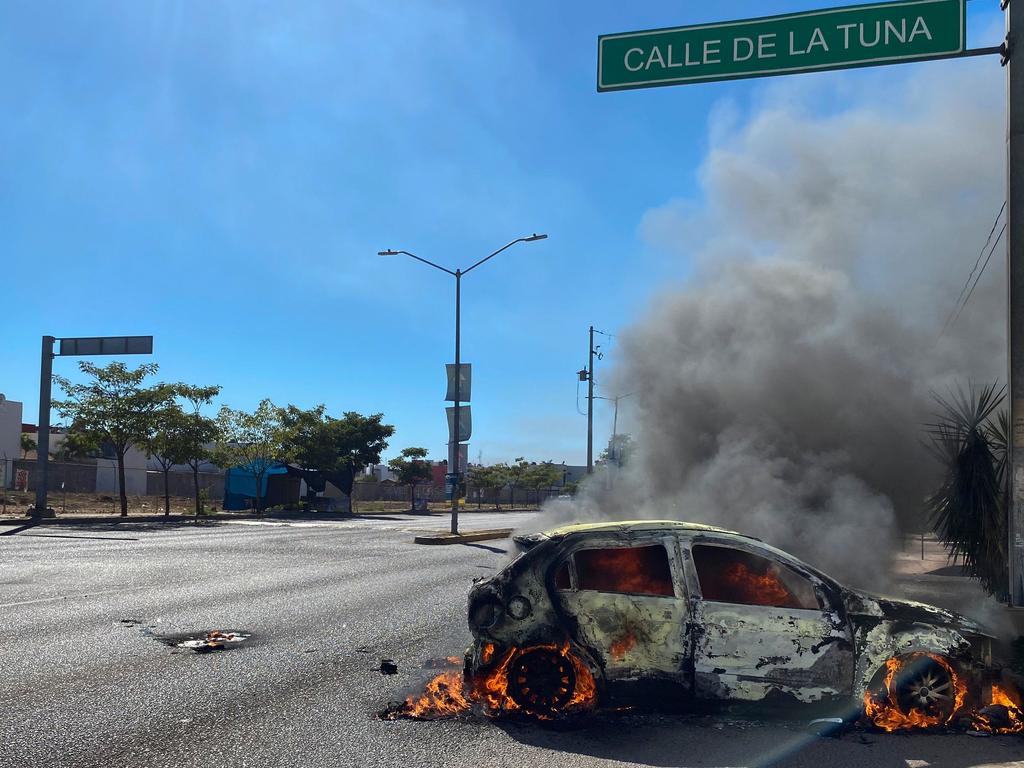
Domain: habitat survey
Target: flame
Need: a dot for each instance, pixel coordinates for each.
(622, 646)
(882, 710)
(983, 721)
(757, 589)
(487, 654)
(634, 570)
(444, 696)
(450, 693)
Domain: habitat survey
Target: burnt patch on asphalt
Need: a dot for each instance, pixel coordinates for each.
(207, 641)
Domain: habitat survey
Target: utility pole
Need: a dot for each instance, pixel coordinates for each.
(1015, 292)
(615, 426)
(590, 403)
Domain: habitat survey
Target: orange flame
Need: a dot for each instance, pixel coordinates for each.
(882, 710)
(444, 696)
(448, 694)
(757, 589)
(1001, 697)
(622, 646)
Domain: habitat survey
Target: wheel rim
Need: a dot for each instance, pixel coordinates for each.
(925, 686)
(541, 681)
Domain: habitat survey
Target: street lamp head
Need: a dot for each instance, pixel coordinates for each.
(388, 252)
(533, 237)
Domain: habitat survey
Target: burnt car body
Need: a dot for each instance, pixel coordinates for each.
(709, 614)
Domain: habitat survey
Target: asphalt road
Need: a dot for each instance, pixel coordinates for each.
(80, 686)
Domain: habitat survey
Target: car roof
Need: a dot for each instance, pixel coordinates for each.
(636, 525)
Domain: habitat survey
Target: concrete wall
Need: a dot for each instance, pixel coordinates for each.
(134, 474)
(10, 429)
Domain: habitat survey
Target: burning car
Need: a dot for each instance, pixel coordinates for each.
(595, 613)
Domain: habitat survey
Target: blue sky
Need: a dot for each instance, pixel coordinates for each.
(222, 174)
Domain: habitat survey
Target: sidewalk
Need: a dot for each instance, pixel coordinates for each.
(933, 579)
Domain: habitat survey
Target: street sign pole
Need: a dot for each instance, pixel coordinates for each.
(43, 435)
(71, 347)
(1015, 297)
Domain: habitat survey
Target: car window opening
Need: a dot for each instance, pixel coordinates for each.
(562, 581)
(628, 570)
(733, 576)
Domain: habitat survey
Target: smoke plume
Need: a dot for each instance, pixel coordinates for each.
(782, 389)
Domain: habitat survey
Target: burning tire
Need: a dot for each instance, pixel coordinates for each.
(922, 690)
(541, 681)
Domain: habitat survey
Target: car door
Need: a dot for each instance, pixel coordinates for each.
(628, 605)
(760, 625)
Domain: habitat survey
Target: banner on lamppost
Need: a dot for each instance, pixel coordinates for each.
(465, 423)
(463, 461)
(465, 382)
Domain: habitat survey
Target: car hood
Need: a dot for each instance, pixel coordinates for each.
(865, 607)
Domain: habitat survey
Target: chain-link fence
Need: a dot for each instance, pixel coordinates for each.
(92, 487)
(482, 497)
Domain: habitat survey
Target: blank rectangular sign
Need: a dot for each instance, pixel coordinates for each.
(107, 345)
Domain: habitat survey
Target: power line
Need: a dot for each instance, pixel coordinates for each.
(957, 308)
(982, 272)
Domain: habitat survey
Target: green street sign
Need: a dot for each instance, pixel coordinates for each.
(833, 38)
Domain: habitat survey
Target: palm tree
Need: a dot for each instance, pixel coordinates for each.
(968, 510)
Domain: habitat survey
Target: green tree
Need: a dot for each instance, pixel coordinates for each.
(75, 446)
(249, 440)
(166, 444)
(113, 407)
(28, 443)
(516, 473)
(337, 449)
(969, 509)
(412, 468)
(619, 451)
(543, 476)
(199, 433)
(492, 478)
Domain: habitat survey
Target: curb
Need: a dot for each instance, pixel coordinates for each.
(463, 538)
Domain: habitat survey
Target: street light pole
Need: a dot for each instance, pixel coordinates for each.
(454, 442)
(453, 452)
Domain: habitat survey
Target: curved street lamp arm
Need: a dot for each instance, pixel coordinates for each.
(531, 238)
(414, 256)
(429, 263)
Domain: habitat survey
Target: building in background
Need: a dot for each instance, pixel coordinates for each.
(10, 428)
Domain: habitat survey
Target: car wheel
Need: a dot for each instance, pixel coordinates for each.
(541, 681)
(925, 687)
(919, 690)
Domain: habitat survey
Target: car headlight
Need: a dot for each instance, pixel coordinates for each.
(519, 607)
(485, 614)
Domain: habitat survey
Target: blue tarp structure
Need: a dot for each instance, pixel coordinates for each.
(240, 484)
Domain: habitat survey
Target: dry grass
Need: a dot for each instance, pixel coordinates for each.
(18, 503)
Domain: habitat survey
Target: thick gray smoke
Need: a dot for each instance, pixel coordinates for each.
(782, 389)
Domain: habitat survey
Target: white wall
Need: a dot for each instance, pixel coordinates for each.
(134, 474)
(10, 429)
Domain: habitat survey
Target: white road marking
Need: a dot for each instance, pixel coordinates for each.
(72, 597)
